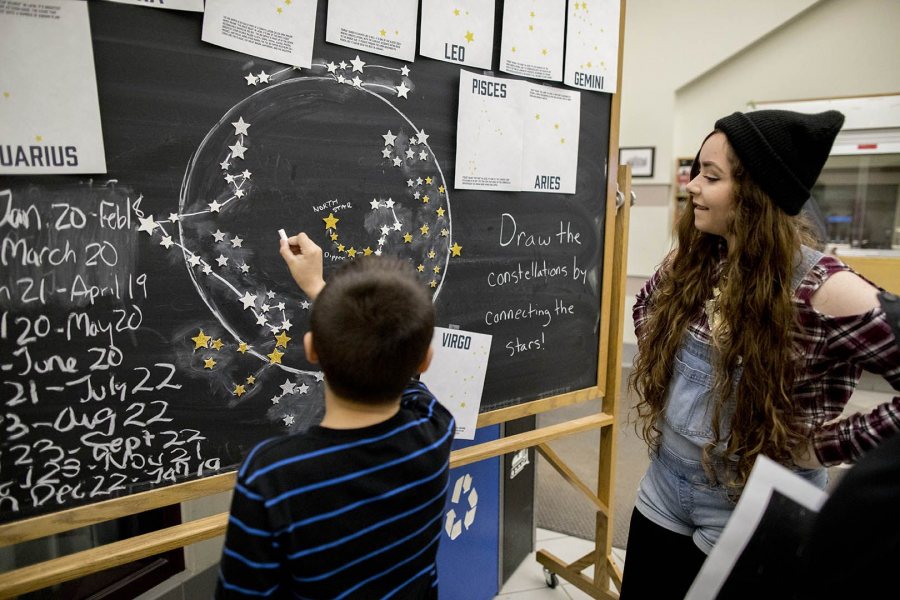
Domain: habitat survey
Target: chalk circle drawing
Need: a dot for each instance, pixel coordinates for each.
(320, 154)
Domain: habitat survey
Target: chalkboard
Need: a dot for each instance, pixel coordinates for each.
(150, 333)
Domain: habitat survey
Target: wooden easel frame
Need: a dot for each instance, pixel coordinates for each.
(79, 564)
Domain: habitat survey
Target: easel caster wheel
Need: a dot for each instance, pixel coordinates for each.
(551, 578)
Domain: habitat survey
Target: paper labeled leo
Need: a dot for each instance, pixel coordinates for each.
(458, 31)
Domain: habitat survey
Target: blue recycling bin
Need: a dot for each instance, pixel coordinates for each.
(469, 554)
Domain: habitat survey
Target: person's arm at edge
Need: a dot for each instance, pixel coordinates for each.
(304, 260)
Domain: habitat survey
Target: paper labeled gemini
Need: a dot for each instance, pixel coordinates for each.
(456, 375)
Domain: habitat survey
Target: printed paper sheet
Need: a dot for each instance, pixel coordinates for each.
(458, 31)
(592, 45)
(532, 40)
(191, 5)
(387, 27)
(271, 29)
(49, 113)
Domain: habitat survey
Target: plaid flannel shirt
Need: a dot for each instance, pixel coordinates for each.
(836, 351)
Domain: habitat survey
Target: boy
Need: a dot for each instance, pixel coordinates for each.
(351, 508)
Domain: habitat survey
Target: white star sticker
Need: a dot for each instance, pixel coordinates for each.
(174, 217)
(166, 241)
(389, 138)
(374, 203)
(245, 268)
(382, 240)
(357, 81)
(397, 225)
(422, 137)
(419, 181)
(229, 178)
(147, 224)
(280, 306)
(342, 65)
(397, 161)
(275, 400)
(303, 389)
(194, 260)
(402, 90)
(263, 77)
(386, 153)
(378, 252)
(224, 164)
(319, 375)
(341, 79)
(288, 419)
(417, 195)
(261, 319)
(385, 229)
(286, 325)
(239, 193)
(331, 67)
(222, 260)
(270, 294)
(236, 242)
(246, 174)
(410, 153)
(248, 300)
(304, 305)
(389, 203)
(219, 235)
(240, 126)
(207, 269)
(357, 64)
(214, 206)
(265, 308)
(237, 150)
(251, 79)
(288, 387)
(423, 155)
(410, 183)
(404, 71)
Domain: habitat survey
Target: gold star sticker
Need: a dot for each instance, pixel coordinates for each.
(251, 380)
(456, 12)
(217, 344)
(433, 283)
(537, 117)
(425, 199)
(209, 363)
(455, 249)
(532, 14)
(556, 126)
(420, 268)
(544, 52)
(331, 221)
(531, 28)
(243, 347)
(441, 189)
(513, 48)
(287, 1)
(470, 37)
(437, 269)
(340, 247)
(282, 340)
(39, 138)
(239, 391)
(367, 251)
(383, 33)
(278, 10)
(428, 180)
(562, 140)
(334, 237)
(407, 238)
(424, 229)
(440, 211)
(201, 340)
(6, 94)
(431, 254)
(275, 357)
(351, 252)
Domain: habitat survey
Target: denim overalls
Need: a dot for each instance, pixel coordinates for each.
(675, 492)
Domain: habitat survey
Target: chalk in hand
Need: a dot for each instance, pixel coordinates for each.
(282, 234)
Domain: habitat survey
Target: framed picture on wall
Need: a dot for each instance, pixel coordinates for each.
(640, 158)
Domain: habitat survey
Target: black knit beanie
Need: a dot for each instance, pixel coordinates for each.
(784, 151)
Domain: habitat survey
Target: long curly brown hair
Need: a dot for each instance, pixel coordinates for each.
(758, 325)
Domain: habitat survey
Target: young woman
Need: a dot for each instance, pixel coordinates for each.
(750, 342)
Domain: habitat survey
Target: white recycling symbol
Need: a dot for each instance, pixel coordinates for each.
(454, 524)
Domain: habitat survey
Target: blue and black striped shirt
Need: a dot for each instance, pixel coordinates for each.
(330, 513)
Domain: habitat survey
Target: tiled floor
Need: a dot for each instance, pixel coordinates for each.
(527, 583)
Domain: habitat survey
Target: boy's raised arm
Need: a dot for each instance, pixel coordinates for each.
(304, 260)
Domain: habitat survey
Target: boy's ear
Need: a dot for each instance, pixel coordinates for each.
(426, 362)
(311, 355)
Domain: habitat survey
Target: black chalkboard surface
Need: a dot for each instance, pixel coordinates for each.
(149, 332)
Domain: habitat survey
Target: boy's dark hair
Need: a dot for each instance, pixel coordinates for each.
(372, 325)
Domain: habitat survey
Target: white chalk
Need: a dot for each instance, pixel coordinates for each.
(282, 234)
